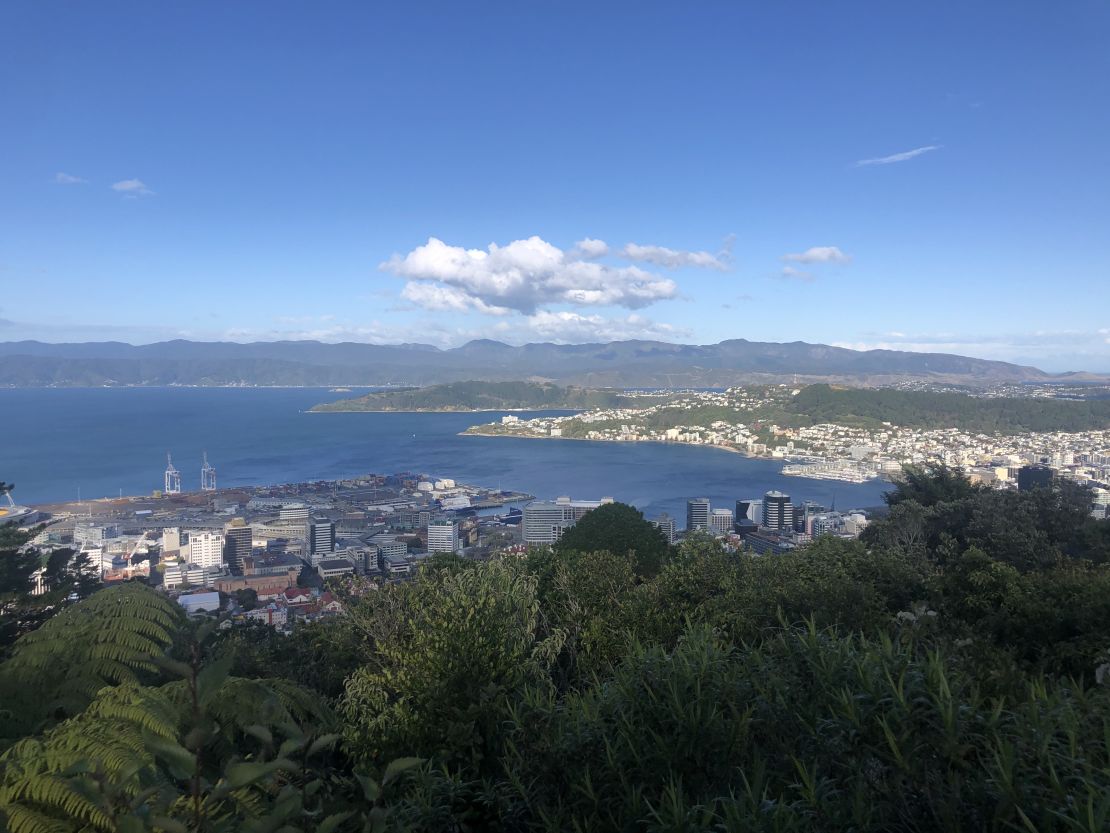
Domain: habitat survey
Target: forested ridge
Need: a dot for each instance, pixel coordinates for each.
(480, 396)
(924, 409)
(947, 672)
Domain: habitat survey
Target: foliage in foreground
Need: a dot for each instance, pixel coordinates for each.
(947, 673)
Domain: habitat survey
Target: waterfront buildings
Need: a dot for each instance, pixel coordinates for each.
(778, 512)
(697, 514)
(720, 521)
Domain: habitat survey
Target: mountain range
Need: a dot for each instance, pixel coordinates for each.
(614, 364)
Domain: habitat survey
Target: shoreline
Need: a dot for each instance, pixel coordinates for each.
(438, 410)
(728, 448)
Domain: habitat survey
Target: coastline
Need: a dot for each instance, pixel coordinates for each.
(440, 410)
(729, 448)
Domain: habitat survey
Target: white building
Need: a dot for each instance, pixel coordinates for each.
(206, 549)
(720, 521)
(443, 536)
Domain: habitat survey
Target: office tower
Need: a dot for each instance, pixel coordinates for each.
(697, 514)
(720, 521)
(237, 543)
(545, 521)
(171, 539)
(665, 524)
(321, 537)
(443, 536)
(1034, 477)
(207, 476)
(746, 509)
(294, 512)
(778, 514)
(206, 549)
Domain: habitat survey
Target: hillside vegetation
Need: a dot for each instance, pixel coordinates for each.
(919, 409)
(480, 396)
(948, 672)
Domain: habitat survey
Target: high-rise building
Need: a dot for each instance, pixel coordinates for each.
(206, 549)
(443, 536)
(778, 513)
(720, 521)
(697, 514)
(1034, 477)
(237, 543)
(665, 524)
(545, 521)
(321, 537)
(748, 509)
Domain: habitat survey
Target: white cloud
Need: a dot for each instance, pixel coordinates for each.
(589, 249)
(819, 254)
(440, 298)
(789, 273)
(573, 327)
(675, 258)
(523, 275)
(897, 157)
(68, 179)
(132, 188)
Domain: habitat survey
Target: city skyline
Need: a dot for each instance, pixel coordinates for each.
(862, 176)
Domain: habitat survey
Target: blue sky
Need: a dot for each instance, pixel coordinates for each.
(917, 176)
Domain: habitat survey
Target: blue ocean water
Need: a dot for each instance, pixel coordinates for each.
(107, 440)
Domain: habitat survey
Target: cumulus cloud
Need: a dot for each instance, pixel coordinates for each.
(132, 188)
(589, 249)
(818, 254)
(676, 258)
(440, 298)
(68, 179)
(523, 275)
(897, 157)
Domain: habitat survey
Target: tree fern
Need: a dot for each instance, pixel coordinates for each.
(110, 638)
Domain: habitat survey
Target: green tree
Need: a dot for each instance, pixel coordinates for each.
(453, 651)
(618, 528)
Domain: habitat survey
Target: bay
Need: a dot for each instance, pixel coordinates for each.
(107, 441)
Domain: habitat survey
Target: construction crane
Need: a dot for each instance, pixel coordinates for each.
(207, 476)
(172, 478)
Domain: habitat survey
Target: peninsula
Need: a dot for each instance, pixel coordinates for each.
(489, 396)
(851, 434)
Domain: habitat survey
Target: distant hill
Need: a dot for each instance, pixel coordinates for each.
(480, 396)
(921, 409)
(613, 365)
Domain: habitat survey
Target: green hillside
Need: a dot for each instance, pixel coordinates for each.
(480, 396)
(917, 409)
